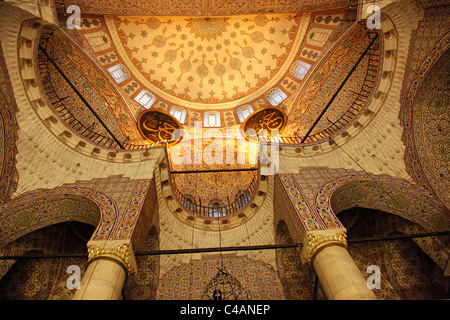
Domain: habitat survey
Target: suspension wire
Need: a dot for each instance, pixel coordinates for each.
(192, 254)
(218, 223)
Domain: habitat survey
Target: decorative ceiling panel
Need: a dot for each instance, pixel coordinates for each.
(200, 62)
(205, 7)
(93, 86)
(327, 79)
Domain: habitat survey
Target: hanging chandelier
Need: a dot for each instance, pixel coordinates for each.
(224, 286)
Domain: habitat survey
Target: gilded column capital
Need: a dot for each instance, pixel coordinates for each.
(318, 239)
(118, 250)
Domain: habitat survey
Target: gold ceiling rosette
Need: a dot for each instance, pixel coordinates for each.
(207, 28)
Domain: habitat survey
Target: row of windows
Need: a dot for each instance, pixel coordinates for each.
(211, 118)
(216, 206)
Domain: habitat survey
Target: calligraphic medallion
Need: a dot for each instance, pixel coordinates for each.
(157, 125)
(270, 119)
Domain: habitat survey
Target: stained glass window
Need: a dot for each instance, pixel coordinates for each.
(299, 69)
(211, 119)
(179, 114)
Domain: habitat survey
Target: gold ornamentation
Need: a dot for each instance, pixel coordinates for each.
(208, 28)
(157, 126)
(122, 253)
(317, 240)
(197, 62)
(271, 119)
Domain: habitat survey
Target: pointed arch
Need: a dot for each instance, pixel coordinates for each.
(385, 193)
(40, 208)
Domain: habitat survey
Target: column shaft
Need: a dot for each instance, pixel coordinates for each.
(103, 280)
(339, 276)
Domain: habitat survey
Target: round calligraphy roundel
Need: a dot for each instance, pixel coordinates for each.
(157, 125)
(269, 121)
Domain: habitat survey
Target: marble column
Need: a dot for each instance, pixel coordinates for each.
(326, 251)
(109, 263)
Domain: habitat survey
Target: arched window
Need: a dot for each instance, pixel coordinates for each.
(178, 113)
(276, 96)
(299, 69)
(188, 202)
(216, 208)
(145, 98)
(99, 40)
(244, 111)
(242, 198)
(211, 119)
(318, 36)
(119, 73)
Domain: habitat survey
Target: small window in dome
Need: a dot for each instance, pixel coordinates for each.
(178, 113)
(244, 112)
(212, 119)
(276, 96)
(119, 73)
(299, 69)
(145, 98)
(99, 41)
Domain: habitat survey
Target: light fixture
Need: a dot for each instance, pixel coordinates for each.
(224, 286)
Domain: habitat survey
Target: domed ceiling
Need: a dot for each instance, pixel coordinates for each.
(211, 63)
(200, 64)
(208, 63)
(221, 70)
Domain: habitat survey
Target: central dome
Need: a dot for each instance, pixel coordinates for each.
(199, 62)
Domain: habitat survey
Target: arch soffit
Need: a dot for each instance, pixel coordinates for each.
(23, 220)
(398, 192)
(414, 162)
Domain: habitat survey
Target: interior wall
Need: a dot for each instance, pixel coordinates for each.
(189, 280)
(8, 135)
(144, 284)
(297, 278)
(406, 271)
(44, 279)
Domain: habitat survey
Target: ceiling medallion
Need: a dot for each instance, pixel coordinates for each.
(207, 28)
(157, 126)
(270, 119)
